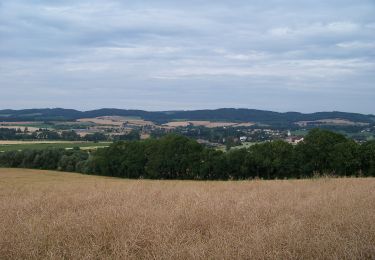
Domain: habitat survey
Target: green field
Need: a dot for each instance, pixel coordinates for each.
(67, 145)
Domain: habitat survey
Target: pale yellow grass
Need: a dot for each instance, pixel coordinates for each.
(49, 215)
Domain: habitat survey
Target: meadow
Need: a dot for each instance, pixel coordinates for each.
(56, 215)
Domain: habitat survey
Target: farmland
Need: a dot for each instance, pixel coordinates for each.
(220, 127)
(59, 215)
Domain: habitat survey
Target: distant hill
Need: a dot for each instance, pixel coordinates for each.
(222, 114)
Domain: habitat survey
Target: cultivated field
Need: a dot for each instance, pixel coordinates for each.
(49, 215)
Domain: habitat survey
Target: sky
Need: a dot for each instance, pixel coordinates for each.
(280, 55)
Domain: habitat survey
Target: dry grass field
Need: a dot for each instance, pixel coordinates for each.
(49, 215)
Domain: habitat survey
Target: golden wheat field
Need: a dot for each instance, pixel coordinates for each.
(55, 215)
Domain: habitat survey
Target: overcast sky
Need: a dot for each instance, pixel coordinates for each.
(282, 55)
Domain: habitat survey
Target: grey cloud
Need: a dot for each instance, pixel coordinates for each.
(269, 54)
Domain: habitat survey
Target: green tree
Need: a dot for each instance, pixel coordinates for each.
(173, 157)
(367, 158)
(345, 159)
(274, 160)
(315, 152)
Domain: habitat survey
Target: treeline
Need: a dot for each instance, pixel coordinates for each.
(48, 159)
(46, 134)
(178, 157)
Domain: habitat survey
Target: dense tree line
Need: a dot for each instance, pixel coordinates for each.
(46, 134)
(47, 159)
(178, 157)
(41, 134)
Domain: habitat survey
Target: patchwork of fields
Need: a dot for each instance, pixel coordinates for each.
(58, 215)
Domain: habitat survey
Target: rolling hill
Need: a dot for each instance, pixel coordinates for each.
(222, 114)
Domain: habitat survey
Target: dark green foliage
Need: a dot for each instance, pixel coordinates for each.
(47, 159)
(45, 134)
(214, 165)
(173, 157)
(367, 158)
(179, 157)
(132, 136)
(326, 152)
(7, 134)
(122, 159)
(95, 137)
(71, 161)
(274, 160)
(345, 159)
(70, 136)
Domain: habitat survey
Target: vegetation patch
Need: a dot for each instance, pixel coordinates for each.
(177, 157)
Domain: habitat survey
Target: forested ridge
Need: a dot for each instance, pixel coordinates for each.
(178, 157)
(222, 114)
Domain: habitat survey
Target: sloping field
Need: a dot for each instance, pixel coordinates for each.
(55, 215)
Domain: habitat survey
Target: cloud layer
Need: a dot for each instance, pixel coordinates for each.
(164, 54)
